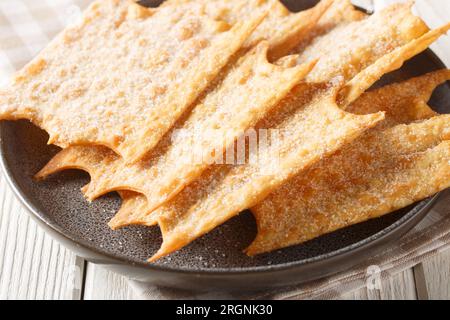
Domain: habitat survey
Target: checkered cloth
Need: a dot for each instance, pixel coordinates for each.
(26, 26)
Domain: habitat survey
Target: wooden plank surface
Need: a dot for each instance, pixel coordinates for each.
(102, 284)
(32, 265)
(398, 287)
(435, 275)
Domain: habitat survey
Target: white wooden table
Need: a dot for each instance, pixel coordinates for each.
(33, 266)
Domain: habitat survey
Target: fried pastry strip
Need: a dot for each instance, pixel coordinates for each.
(383, 171)
(96, 82)
(247, 92)
(165, 174)
(402, 102)
(311, 126)
(284, 28)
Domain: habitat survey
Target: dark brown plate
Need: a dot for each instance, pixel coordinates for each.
(214, 261)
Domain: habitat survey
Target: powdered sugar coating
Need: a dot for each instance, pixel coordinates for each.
(378, 174)
(124, 75)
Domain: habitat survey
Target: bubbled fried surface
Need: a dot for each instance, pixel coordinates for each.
(382, 172)
(160, 185)
(310, 126)
(123, 75)
(226, 191)
(371, 37)
(247, 92)
(281, 27)
(320, 200)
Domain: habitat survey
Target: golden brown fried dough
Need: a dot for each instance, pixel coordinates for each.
(403, 103)
(124, 75)
(132, 204)
(284, 28)
(247, 92)
(164, 175)
(340, 13)
(389, 63)
(383, 171)
(309, 126)
(224, 191)
(308, 113)
(368, 39)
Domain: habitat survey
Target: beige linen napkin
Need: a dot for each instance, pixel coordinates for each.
(26, 26)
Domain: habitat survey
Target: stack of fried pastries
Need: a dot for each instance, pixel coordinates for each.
(198, 110)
